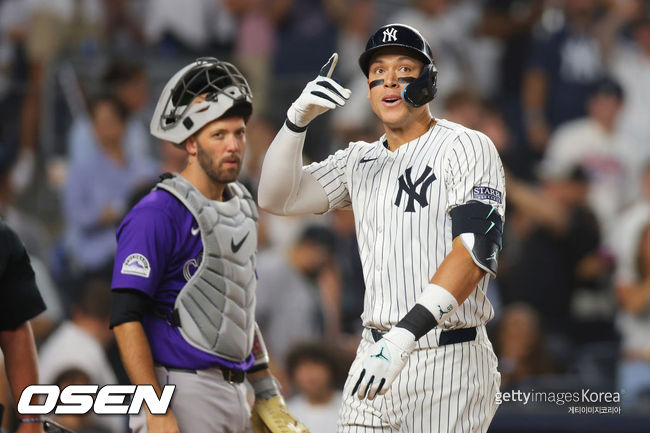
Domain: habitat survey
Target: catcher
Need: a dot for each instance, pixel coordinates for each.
(183, 298)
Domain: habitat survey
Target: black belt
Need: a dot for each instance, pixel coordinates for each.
(452, 336)
(229, 374)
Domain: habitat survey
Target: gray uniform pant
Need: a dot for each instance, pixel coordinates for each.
(203, 402)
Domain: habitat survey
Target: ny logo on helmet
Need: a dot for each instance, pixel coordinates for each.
(390, 34)
(410, 188)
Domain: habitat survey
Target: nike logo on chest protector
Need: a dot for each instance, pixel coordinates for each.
(236, 246)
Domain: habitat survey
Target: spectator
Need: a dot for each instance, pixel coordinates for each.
(34, 236)
(314, 372)
(306, 35)
(254, 47)
(493, 124)
(355, 118)
(512, 22)
(554, 233)
(631, 65)
(14, 15)
(97, 191)
(172, 159)
(564, 65)
(129, 83)
(349, 263)
(293, 276)
(165, 26)
(593, 144)
(463, 106)
(54, 27)
(77, 423)
(448, 27)
(520, 346)
(124, 27)
(260, 133)
(627, 228)
(19, 302)
(80, 343)
(31, 230)
(633, 291)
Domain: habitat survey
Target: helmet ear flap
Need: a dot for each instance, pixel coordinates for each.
(423, 89)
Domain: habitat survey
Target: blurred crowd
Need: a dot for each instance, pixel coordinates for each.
(560, 86)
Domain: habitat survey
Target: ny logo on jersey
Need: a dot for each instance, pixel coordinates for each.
(390, 35)
(409, 187)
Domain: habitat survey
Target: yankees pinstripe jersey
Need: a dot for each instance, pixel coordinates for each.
(401, 201)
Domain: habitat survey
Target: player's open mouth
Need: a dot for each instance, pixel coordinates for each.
(391, 100)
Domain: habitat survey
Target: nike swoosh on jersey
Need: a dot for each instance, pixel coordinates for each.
(194, 231)
(236, 246)
(362, 160)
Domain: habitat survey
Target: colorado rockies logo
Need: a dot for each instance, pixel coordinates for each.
(390, 35)
(409, 187)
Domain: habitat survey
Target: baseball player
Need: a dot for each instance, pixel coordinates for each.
(428, 199)
(184, 276)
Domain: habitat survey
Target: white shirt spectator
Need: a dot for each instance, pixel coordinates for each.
(632, 69)
(602, 155)
(210, 20)
(318, 419)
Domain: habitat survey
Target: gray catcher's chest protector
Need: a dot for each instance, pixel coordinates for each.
(216, 307)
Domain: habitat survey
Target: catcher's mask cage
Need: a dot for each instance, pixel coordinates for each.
(201, 92)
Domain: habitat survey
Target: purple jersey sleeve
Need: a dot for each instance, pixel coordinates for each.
(144, 244)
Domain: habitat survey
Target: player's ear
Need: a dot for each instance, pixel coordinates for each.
(191, 146)
(368, 81)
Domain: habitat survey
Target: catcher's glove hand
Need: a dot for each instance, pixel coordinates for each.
(272, 416)
(383, 362)
(320, 95)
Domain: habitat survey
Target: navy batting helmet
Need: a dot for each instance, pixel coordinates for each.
(423, 89)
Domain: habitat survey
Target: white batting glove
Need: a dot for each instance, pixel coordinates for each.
(320, 95)
(383, 362)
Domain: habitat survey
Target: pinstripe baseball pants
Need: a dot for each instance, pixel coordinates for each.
(444, 389)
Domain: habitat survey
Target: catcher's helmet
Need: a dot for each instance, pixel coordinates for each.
(423, 89)
(201, 92)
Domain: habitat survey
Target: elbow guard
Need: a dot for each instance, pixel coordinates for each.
(480, 228)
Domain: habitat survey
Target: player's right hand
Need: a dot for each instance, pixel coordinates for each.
(320, 95)
(162, 423)
(383, 362)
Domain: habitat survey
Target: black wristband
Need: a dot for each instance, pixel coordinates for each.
(295, 128)
(418, 320)
(256, 368)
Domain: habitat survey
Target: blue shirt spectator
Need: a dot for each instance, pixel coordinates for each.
(98, 190)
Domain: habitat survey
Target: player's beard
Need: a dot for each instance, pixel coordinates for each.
(214, 169)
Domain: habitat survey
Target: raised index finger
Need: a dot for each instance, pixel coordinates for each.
(328, 68)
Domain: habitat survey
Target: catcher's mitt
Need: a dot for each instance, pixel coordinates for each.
(272, 416)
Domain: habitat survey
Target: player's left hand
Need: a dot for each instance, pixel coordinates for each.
(320, 95)
(272, 416)
(383, 362)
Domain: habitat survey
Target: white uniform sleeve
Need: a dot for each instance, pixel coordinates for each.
(474, 172)
(285, 188)
(330, 174)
